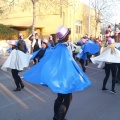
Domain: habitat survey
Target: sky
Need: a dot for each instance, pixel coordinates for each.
(85, 1)
(115, 9)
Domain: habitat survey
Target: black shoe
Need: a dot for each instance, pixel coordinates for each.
(104, 89)
(113, 92)
(17, 89)
(103, 68)
(22, 86)
(90, 61)
(118, 82)
(57, 119)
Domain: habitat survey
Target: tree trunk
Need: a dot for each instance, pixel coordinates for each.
(34, 15)
(96, 29)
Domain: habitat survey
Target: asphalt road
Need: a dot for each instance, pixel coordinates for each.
(35, 102)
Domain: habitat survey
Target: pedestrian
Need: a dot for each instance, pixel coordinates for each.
(60, 72)
(16, 62)
(110, 57)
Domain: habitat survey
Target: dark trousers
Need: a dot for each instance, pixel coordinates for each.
(110, 67)
(62, 100)
(17, 78)
(82, 62)
(118, 72)
(88, 59)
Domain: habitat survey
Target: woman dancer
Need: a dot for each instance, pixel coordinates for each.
(40, 53)
(64, 76)
(16, 62)
(110, 57)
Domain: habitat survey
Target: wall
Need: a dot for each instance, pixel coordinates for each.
(48, 19)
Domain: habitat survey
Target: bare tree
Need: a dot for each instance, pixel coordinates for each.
(99, 7)
(104, 10)
(5, 7)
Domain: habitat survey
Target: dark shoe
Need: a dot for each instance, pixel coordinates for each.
(113, 92)
(17, 89)
(57, 119)
(103, 67)
(104, 89)
(118, 81)
(90, 61)
(22, 86)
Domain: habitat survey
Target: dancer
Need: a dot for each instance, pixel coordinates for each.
(64, 76)
(51, 42)
(110, 57)
(21, 45)
(87, 46)
(36, 45)
(16, 62)
(40, 53)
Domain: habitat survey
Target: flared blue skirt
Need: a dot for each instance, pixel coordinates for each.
(59, 71)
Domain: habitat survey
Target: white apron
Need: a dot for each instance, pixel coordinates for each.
(17, 60)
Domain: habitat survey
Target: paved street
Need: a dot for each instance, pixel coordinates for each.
(35, 102)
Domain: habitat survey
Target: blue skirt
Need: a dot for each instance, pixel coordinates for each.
(58, 70)
(89, 47)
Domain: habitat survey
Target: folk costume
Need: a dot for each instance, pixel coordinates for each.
(110, 57)
(16, 61)
(64, 76)
(36, 45)
(88, 47)
(40, 53)
(51, 42)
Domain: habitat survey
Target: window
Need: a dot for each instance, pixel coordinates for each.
(78, 27)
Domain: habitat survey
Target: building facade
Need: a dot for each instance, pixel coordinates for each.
(50, 15)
